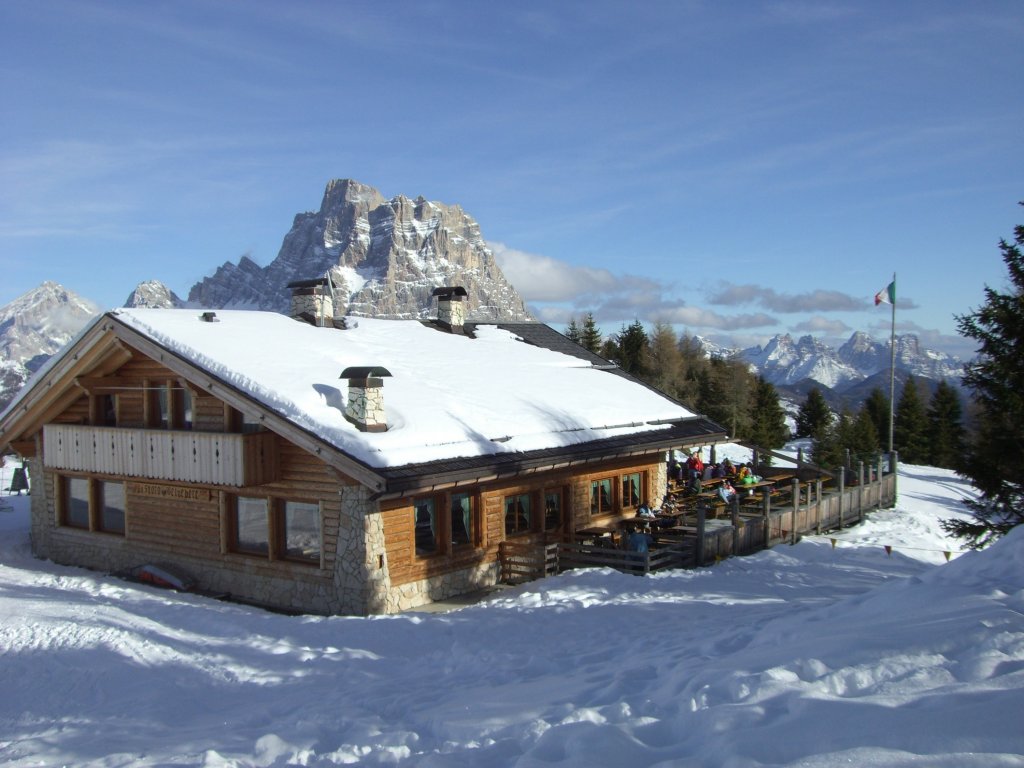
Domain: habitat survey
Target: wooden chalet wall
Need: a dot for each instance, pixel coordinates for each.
(417, 579)
(185, 525)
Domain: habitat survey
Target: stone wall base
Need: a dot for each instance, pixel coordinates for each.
(414, 594)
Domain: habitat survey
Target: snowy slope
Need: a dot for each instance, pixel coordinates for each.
(810, 655)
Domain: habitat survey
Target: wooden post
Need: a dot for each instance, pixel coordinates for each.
(702, 515)
(767, 509)
(734, 503)
(817, 506)
(799, 460)
(860, 491)
(879, 475)
(894, 461)
(796, 508)
(842, 494)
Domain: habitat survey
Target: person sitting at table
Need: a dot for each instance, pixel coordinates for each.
(695, 465)
(726, 491)
(717, 470)
(728, 468)
(645, 511)
(639, 540)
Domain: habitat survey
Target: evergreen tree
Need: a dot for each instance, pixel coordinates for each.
(910, 430)
(877, 407)
(828, 449)
(995, 456)
(590, 338)
(814, 416)
(633, 349)
(573, 332)
(767, 419)
(862, 439)
(726, 393)
(945, 431)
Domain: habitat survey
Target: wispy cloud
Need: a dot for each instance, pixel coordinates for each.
(812, 301)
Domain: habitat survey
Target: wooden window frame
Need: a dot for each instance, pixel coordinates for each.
(641, 489)
(166, 404)
(562, 492)
(596, 510)
(94, 505)
(531, 521)
(281, 516)
(276, 529)
(445, 546)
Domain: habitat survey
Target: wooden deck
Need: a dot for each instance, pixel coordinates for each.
(750, 524)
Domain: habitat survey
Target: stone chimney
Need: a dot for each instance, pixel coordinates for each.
(451, 309)
(365, 406)
(312, 301)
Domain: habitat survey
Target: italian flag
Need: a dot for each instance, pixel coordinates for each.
(887, 295)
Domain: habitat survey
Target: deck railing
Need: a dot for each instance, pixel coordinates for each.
(194, 457)
(810, 509)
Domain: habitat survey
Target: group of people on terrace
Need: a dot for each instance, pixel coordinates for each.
(694, 473)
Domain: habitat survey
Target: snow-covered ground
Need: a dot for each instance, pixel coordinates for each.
(820, 654)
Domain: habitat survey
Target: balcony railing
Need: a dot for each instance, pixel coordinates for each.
(193, 457)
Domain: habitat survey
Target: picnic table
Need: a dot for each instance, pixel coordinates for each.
(596, 533)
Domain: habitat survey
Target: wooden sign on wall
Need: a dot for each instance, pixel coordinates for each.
(158, 491)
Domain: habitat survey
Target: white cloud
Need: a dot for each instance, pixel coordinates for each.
(542, 278)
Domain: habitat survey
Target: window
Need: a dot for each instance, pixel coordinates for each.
(169, 404)
(76, 502)
(425, 522)
(92, 505)
(276, 529)
(112, 507)
(462, 519)
(251, 529)
(632, 494)
(553, 504)
(107, 407)
(601, 501)
(517, 514)
(301, 534)
(445, 523)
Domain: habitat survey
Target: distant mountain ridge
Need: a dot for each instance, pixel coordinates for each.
(860, 361)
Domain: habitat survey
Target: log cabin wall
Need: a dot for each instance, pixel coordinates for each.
(418, 578)
(190, 526)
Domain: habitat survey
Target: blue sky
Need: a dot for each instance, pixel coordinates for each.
(739, 169)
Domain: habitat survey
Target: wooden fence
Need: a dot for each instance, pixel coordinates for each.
(815, 506)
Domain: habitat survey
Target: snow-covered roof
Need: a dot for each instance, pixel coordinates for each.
(449, 395)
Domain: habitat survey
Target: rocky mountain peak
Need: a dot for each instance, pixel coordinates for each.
(384, 257)
(153, 294)
(33, 327)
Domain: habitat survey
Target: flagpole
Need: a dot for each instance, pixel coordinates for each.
(892, 365)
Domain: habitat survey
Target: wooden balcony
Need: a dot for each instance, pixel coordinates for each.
(189, 457)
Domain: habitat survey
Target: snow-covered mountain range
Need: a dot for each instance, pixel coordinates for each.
(385, 257)
(785, 362)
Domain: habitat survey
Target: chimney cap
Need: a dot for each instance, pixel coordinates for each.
(449, 292)
(364, 372)
(308, 283)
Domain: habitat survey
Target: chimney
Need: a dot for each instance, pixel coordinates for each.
(365, 406)
(312, 301)
(451, 312)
